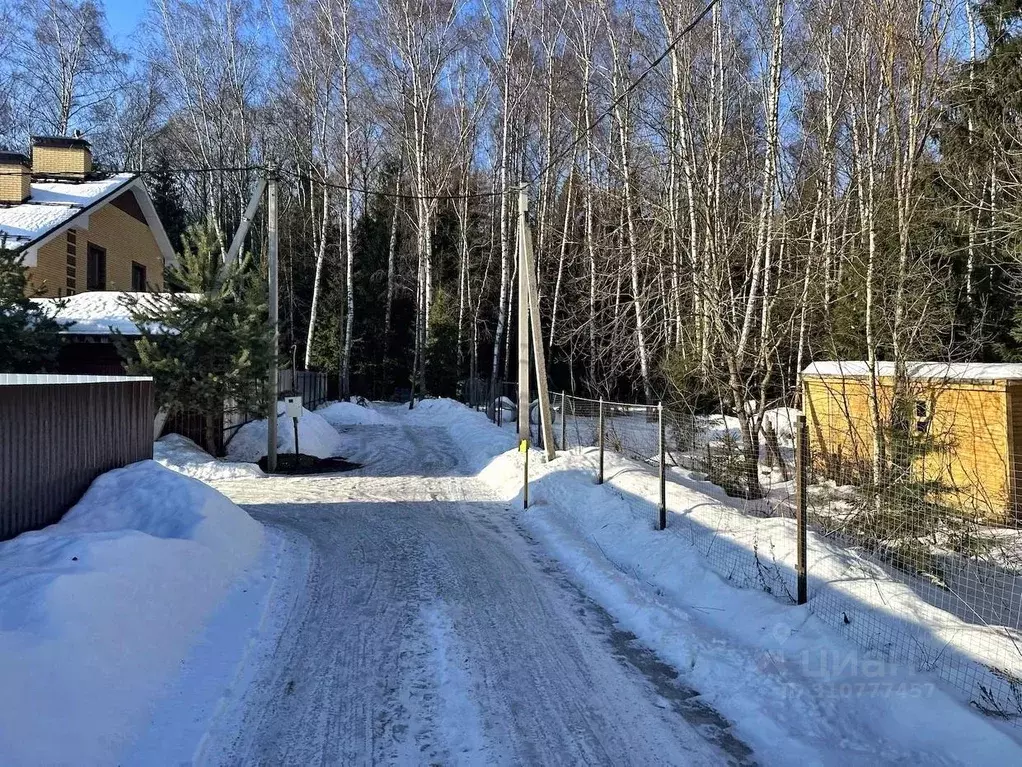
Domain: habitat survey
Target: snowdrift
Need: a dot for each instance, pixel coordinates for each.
(474, 435)
(350, 414)
(315, 437)
(182, 455)
(98, 611)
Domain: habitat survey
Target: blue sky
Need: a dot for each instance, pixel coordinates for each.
(123, 16)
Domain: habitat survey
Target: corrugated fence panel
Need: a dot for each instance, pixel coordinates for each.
(55, 438)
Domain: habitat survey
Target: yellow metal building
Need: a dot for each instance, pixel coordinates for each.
(971, 412)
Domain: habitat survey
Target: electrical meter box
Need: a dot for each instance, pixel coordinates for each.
(293, 407)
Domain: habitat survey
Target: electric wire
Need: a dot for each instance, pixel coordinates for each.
(625, 93)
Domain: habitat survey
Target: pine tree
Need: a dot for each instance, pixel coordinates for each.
(208, 349)
(198, 260)
(29, 339)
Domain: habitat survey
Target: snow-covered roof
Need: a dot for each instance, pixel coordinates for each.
(52, 204)
(958, 371)
(101, 312)
(55, 206)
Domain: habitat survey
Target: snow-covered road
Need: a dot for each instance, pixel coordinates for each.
(432, 630)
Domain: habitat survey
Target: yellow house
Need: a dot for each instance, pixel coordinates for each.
(79, 230)
(970, 415)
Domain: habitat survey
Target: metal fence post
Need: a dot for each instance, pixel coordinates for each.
(564, 421)
(599, 477)
(662, 521)
(801, 502)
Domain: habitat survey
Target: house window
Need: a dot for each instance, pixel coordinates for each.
(138, 277)
(96, 271)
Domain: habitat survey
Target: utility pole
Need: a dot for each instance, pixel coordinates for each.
(524, 429)
(529, 267)
(271, 227)
(528, 315)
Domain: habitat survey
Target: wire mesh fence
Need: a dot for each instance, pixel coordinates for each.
(910, 537)
(926, 507)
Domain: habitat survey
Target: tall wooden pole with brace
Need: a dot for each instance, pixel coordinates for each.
(528, 317)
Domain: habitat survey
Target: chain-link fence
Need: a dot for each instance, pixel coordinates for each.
(909, 543)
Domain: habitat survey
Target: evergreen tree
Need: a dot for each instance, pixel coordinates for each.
(198, 260)
(166, 196)
(205, 350)
(29, 339)
(980, 137)
(442, 346)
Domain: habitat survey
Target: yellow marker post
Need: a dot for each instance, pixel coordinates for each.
(523, 447)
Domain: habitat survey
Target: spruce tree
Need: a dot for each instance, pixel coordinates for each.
(442, 346)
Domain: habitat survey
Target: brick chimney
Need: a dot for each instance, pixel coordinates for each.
(15, 178)
(62, 156)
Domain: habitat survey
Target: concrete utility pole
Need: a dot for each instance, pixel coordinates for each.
(528, 310)
(271, 227)
(524, 431)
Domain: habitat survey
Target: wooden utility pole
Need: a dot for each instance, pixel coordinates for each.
(545, 419)
(271, 227)
(528, 310)
(524, 431)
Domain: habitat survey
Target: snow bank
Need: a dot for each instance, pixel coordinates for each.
(350, 414)
(784, 422)
(315, 437)
(98, 611)
(473, 434)
(794, 688)
(180, 454)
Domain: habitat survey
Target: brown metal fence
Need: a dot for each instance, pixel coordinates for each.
(58, 433)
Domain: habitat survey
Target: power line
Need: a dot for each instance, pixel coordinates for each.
(624, 94)
(105, 174)
(292, 174)
(408, 196)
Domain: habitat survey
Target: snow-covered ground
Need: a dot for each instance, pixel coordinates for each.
(431, 631)
(351, 414)
(411, 612)
(99, 611)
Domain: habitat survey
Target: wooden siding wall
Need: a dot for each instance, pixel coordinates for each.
(125, 239)
(969, 421)
(56, 438)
